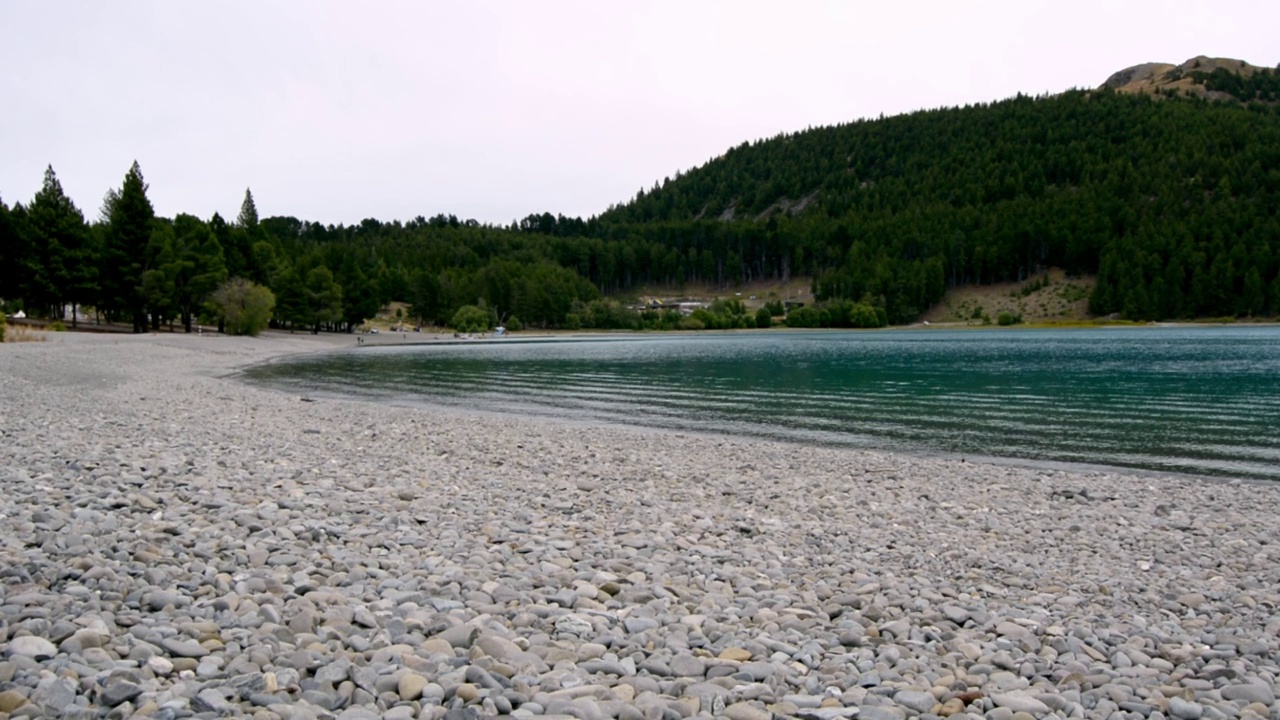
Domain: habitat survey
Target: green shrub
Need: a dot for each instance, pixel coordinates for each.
(1008, 318)
(470, 319)
(244, 307)
(804, 317)
(609, 315)
(514, 324)
(56, 326)
(764, 318)
(691, 323)
(865, 316)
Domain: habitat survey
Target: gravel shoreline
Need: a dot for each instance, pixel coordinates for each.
(177, 544)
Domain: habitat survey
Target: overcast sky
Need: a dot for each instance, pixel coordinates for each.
(338, 111)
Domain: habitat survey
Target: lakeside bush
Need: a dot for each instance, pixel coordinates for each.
(470, 319)
(804, 317)
(1008, 318)
(838, 314)
(242, 307)
(764, 319)
(725, 315)
(613, 315)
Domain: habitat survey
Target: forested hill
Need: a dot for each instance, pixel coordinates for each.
(1171, 197)
(1172, 200)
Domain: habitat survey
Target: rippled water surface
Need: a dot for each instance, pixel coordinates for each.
(1195, 400)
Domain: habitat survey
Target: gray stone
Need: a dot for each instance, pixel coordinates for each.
(574, 625)
(54, 694)
(706, 689)
(162, 598)
(830, 713)
(325, 698)
(1019, 702)
(248, 683)
(881, 712)
(1249, 693)
(184, 647)
(746, 711)
(920, 702)
(688, 666)
(212, 700)
(1185, 709)
(758, 670)
(639, 625)
(460, 636)
(497, 647)
(603, 666)
(333, 673)
(119, 691)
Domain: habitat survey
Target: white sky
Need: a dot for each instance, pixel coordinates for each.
(335, 111)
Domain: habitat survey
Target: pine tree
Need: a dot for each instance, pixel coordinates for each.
(159, 279)
(248, 217)
(62, 271)
(125, 252)
(324, 298)
(209, 273)
(291, 299)
(108, 204)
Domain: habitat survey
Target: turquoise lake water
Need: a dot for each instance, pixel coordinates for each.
(1204, 401)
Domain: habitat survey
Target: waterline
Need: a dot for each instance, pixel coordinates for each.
(1203, 401)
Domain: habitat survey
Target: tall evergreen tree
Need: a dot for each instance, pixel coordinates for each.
(292, 304)
(238, 240)
(124, 255)
(248, 217)
(108, 204)
(62, 272)
(324, 297)
(162, 273)
(209, 273)
(235, 253)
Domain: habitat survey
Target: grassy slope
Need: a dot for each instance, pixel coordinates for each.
(1063, 299)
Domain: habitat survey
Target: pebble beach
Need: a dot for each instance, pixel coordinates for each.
(175, 543)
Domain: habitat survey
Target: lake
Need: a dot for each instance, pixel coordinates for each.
(1200, 400)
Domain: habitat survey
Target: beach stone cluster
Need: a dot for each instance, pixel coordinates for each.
(175, 543)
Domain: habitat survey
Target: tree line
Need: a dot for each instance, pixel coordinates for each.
(1174, 203)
